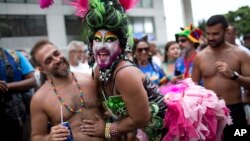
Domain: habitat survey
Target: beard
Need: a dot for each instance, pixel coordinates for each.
(215, 44)
(61, 73)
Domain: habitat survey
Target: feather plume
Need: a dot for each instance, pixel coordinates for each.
(81, 7)
(128, 4)
(45, 3)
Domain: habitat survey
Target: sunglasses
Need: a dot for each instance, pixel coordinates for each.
(141, 49)
(182, 40)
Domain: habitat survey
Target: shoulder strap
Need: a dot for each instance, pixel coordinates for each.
(113, 88)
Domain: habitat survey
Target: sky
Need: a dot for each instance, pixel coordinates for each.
(203, 9)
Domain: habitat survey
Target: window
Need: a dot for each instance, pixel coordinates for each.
(145, 4)
(142, 26)
(22, 25)
(32, 1)
(15, 1)
(73, 28)
(19, 1)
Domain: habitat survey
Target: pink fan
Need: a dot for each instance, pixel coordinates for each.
(45, 3)
(128, 4)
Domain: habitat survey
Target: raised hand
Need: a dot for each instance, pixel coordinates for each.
(223, 68)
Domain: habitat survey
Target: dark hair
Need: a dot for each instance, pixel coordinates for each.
(218, 19)
(39, 45)
(136, 42)
(168, 44)
(246, 36)
(112, 18)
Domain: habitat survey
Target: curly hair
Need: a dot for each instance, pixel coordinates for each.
(113, 18)
(103, 16)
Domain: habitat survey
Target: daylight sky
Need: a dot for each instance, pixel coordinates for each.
(203, 9)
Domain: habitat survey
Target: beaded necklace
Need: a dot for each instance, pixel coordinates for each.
(63, 102)
(106, 74)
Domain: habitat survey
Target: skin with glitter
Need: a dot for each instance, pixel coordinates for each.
(106, 48)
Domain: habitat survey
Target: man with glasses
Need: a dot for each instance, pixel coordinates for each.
(77, 51)
(188, 40)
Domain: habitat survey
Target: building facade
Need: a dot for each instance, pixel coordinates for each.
(22, 22)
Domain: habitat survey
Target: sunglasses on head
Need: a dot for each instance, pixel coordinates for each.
(182, 40)
(141, 49)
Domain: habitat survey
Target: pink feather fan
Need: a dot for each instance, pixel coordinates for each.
(128, 4)
(45, 3)
(82, 6)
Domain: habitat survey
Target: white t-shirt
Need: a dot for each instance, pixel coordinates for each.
(244, 49)
(82, 68)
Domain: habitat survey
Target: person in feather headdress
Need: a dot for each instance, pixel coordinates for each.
(131, 100)
(129, 97)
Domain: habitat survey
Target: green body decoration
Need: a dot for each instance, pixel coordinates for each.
(118, 108)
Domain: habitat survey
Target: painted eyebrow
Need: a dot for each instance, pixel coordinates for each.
(111, 36)
(98, 34)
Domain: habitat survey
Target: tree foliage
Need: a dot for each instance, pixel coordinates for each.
(240, 19)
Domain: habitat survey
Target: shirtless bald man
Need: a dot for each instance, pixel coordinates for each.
(223, 68)
(75, 92)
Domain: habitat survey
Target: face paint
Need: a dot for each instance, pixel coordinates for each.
(106, 48)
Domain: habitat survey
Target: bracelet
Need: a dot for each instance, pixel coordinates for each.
(113, 129)
(107, 130)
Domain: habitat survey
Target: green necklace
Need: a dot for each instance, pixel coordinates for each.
(63, 102)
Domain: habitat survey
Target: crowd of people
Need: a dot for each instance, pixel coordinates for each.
(121, 88)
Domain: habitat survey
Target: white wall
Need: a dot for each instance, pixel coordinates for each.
(178, 14)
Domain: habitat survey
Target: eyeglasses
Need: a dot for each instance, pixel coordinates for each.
(182, 40)
(141, 49)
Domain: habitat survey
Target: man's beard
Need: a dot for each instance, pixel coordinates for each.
(61, 73)
(216, 44)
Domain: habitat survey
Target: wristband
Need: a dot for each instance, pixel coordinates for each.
(113, 129)
(107, 130)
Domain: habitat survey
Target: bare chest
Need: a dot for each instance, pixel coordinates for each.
(72, 102)
(207, 63)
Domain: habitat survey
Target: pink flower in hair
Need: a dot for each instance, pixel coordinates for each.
(128, 4)
(81, 6)
(45, 3)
